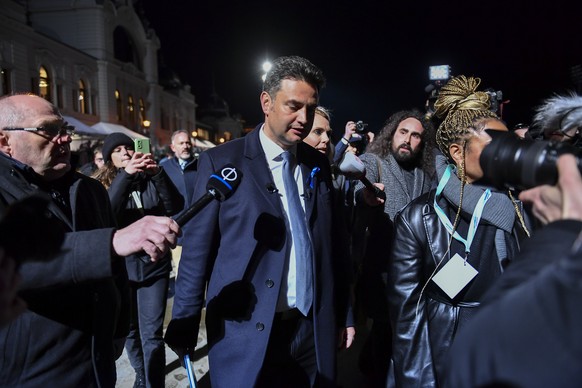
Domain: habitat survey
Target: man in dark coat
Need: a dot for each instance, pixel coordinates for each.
(182, 167)
(66, 337)
(259, 330)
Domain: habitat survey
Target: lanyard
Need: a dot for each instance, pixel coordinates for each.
(475, 218)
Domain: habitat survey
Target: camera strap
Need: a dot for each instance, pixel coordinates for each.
(475, 218)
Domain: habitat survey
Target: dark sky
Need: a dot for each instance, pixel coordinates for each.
(375, 54)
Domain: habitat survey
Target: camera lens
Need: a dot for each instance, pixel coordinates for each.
(511, 162)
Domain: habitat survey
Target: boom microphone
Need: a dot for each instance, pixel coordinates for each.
(220, 186)
(352, 166)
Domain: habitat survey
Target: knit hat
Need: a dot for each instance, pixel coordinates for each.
(114, 140)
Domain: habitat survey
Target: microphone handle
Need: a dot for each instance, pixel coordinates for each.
(377, 192)
(187, 214)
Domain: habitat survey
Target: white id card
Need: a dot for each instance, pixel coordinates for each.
(454, 276)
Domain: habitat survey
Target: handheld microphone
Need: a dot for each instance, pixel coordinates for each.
(220, 186)
(352, 166)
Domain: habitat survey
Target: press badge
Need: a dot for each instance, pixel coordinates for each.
(454, 275)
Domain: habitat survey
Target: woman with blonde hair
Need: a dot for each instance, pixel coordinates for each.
(450, 244)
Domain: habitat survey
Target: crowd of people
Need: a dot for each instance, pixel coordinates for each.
(455, 281)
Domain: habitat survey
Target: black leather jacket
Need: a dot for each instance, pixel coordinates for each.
(424, 330)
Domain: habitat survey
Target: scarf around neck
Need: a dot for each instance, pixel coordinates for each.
(499, 210)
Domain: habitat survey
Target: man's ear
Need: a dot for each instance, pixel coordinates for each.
(4, 145)
(266, 102)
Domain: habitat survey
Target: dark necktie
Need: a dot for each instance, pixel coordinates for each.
(304, 270)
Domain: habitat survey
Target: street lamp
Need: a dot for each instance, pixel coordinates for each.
(266, 67)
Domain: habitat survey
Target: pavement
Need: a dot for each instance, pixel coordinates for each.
(349, 375)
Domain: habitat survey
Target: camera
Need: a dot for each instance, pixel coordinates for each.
(361, 126)
(511, 162)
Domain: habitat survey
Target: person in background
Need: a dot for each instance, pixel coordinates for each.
(137, 187)
(182, 167)
(76, 300)
(182, 171)
(461, 233)
(277, 297)
(400, 162)
(97, 162)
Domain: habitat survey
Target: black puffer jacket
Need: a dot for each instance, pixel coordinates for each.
(159, 197)
(424, 319)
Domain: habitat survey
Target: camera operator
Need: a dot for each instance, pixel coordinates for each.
(527, 334)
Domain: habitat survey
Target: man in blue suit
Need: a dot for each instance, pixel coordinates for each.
(269, 321)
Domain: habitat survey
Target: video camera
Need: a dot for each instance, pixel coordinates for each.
(511, 162)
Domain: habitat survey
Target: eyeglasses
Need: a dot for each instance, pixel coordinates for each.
(48, 131)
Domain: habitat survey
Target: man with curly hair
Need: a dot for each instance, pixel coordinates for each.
(400, 162)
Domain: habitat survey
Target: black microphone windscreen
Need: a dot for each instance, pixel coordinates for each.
(224, 182)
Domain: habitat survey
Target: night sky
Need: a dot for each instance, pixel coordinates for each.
(374, 54)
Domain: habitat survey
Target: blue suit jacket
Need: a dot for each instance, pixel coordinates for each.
(241, 244)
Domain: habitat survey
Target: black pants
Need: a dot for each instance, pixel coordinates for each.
(145, 343)
(290, 360)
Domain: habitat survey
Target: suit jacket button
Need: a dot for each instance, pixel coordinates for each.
(260, 326)
(269, 283)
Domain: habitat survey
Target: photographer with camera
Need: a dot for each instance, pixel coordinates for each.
(77, 299)
(452, 243)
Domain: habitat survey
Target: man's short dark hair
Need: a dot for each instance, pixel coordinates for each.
(293, 68)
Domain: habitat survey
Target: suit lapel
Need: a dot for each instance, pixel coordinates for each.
(261, 174)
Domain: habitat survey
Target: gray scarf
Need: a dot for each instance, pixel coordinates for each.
(499, 209)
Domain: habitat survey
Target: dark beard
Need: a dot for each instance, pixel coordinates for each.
(406, 161)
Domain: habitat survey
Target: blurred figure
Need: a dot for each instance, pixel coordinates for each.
(94, 165)
(452, 243)
(77, 301)
(137, 187)
(528, 333)
(400, 162)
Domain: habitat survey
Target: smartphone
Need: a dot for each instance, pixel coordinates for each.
(141, 145)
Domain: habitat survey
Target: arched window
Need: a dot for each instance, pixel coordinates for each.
(119, 105)
(44, 84)
(83, 102)
(124, 48)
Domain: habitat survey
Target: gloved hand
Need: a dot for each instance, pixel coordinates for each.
(182, 336)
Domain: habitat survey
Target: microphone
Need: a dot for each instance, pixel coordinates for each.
(352, 166)
(220, 186)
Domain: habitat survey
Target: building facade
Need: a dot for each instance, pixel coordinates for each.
(95, 61)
